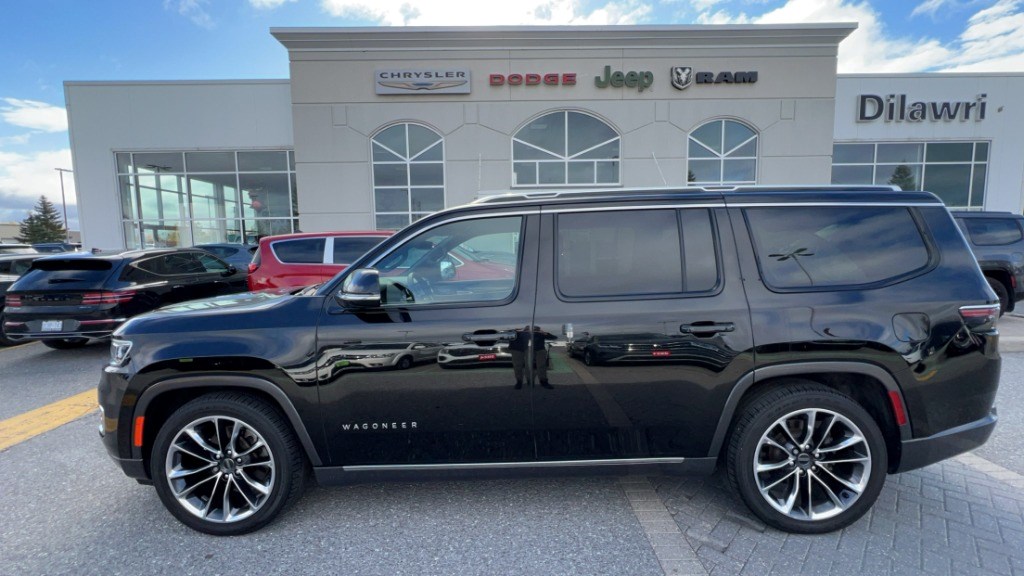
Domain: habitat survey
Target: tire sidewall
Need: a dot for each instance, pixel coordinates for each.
(1002, 293)
(741, 461)
(196, 410)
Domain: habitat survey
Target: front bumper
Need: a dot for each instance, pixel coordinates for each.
(115, 427)
(920, 452)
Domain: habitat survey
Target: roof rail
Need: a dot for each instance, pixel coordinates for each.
(526, 195)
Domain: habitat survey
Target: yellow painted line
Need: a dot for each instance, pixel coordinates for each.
(17, 429)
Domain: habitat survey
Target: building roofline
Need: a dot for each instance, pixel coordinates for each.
(172, 82)
(341, 39)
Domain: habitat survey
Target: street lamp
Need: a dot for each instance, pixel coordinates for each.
(63, 203)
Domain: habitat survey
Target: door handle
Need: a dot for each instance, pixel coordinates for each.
(494, 337)
(178, 286)
(698, 328)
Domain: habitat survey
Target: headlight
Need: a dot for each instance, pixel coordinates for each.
(119, 350)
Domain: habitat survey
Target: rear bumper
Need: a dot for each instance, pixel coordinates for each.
(921, 452)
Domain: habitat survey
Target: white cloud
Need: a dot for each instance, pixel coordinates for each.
(34, 115)
(931, 7)
(26, 177)
(993, 40)
(268, 4)
(472, 13)
(194, 10)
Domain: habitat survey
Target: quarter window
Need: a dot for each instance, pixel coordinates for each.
(993, 231)
(348, 249)
(818, 247)
(956, 172)
(302, 251)
(408, 175)
(635, 253)
(565, 148)
(722, 152)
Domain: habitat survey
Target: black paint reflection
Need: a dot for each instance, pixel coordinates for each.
(649, 348)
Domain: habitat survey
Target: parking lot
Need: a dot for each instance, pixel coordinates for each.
(67, 509)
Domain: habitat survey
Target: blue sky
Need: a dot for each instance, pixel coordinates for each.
(46, 42)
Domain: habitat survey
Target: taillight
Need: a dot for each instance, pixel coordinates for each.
(982, 316)
(96, 298)
(12, 301)
(254, 265)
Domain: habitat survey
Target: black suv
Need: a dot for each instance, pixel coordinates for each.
(997, 240)
(812, 341)
(65, 300)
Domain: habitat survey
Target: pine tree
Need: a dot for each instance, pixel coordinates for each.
(904, 178)
(43, 224)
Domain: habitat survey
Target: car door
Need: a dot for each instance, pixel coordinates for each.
(217, 276)
(647, 329)
(469, 410)
(174, 279)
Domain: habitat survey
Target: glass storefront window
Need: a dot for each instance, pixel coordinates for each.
(954, 171)
(184, 198)
(722, 152)
(565, 148)
(408, 174)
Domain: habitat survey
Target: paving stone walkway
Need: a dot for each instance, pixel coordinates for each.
(962, 516)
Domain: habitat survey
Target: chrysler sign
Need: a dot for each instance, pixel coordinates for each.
(442, 81)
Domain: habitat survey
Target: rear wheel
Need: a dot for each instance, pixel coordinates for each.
(404, 363)
(226, 464)
(806, 458)
(65, 343)
(1004, 296)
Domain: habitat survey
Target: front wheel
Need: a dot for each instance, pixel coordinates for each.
(227, 464)
(805, 458)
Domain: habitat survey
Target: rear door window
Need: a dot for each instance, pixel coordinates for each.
(300, 251)
(835, 246)
(636, 253)
(348, 249)
(993, 231)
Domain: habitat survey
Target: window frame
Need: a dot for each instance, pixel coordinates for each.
(916, 217)
(562, 159)
(717, 244)
(408, 162)
(721, 158)
(923, 164)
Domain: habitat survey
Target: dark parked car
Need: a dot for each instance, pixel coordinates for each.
(64, 300)
(238, 255)
(997, 240)
(12, 266)
(820, 340)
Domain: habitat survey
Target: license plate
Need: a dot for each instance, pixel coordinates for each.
(661, 353)
(487, 357)
(53, 325)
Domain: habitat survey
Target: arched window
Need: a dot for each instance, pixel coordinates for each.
(408, 174)
(722, 152)
(565, 148)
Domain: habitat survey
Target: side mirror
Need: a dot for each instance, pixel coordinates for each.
(447, 269)
(361, 288)
(231, 271)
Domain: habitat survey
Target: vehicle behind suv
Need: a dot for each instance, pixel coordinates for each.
(12, 266)
(64, 300)
(306, 258)
(811, 341)
(997, 240)
(238, 255)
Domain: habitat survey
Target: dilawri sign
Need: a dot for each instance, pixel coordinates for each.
(439, 81)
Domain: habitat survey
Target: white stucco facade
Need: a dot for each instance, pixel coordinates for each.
(777, 82)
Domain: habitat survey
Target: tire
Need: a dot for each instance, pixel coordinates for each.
(272, 461)
(66, 343)
(845, 475)
(1004, 296)
(404, 363)
(588, 358)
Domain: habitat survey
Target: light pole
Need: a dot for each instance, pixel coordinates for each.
(63, 203)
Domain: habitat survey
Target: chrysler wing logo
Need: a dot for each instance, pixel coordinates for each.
(423, 84)
(682, 77)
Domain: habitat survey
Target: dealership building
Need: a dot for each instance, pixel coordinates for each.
(377, 127)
